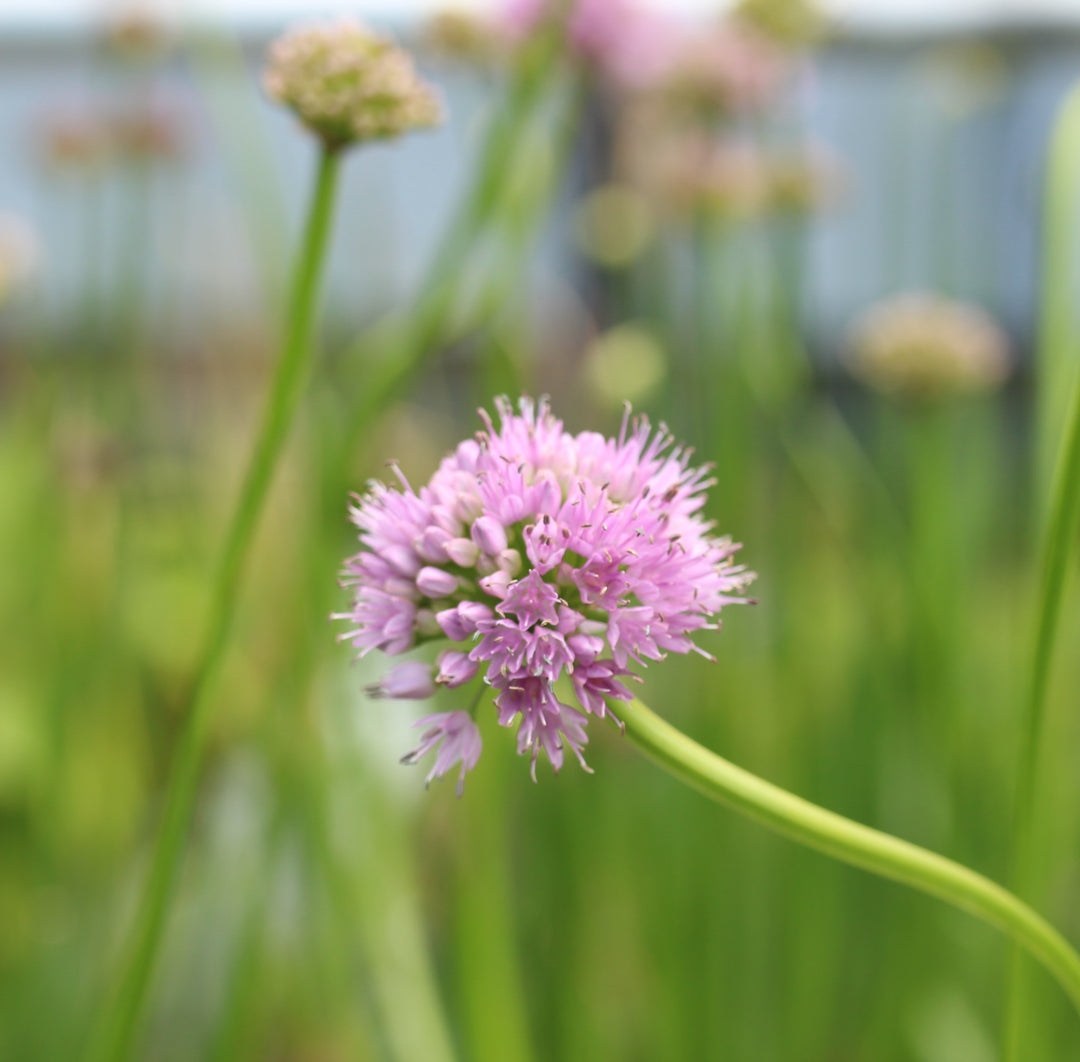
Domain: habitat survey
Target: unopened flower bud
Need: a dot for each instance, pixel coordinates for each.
(468, 504)
(431, 545)
(410, 681)
(402, 559)
(473, 613)
(444, 517)
(496, 584)
(489, 535)
(455, 669)
(435, 582)
(586, 647)
(348, 85)
(462, 551)
(509, 561)
(459, 623)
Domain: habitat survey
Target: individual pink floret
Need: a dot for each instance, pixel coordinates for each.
(457, 739)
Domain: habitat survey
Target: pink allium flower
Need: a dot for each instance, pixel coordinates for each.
(625, 39)
(590, 555)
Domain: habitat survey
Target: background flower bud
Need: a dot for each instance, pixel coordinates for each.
(409, 681)
(435, 582)
(489, 535)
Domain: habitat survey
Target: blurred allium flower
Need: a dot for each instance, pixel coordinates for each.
(348, 85)
(794, 24)
(136, 32)
(803, 184)
(20, 254)
(729, 70)
(540, 556)
(686, 170)
(730, 180)
(151, 134)
(464, 37)
(627, 41)
(923, 347)
(73, 139)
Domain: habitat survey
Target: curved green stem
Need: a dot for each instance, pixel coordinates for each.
(852, 842)
(120, 1020)
(1058, 418)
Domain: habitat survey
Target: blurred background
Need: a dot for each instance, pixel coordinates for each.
(813, 242)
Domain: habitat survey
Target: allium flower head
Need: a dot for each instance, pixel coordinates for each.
(728, 179)
(20, 254)
(552, 563)
(464, 37)
(348, 85)
(792, 23)
(729, 70)
(803, 184)
(626, 40)
(74, 140)
(150, 134)
(924, 347)
(135, 33)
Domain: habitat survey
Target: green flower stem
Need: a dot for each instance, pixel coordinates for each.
(1056, 563)
(120, 1021)
(1059, 343)
(852, 842)
(1058, 418)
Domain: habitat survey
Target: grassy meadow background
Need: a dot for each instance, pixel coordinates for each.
(329, 907)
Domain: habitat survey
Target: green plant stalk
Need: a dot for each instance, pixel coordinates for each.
(1058, 418)
(378, 902)
(851, 842)
(1057, 562)
(1058, 339)
(491, 995)
(120, 1021)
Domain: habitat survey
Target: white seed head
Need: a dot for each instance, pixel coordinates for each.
(923, 347)
(349, 85)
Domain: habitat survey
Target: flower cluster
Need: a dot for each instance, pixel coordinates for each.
(348, 85)
(541, 556)
(924, 347)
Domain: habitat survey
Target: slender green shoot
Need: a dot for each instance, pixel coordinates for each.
(116, 1033)
(1058, 435)
(851, 842)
